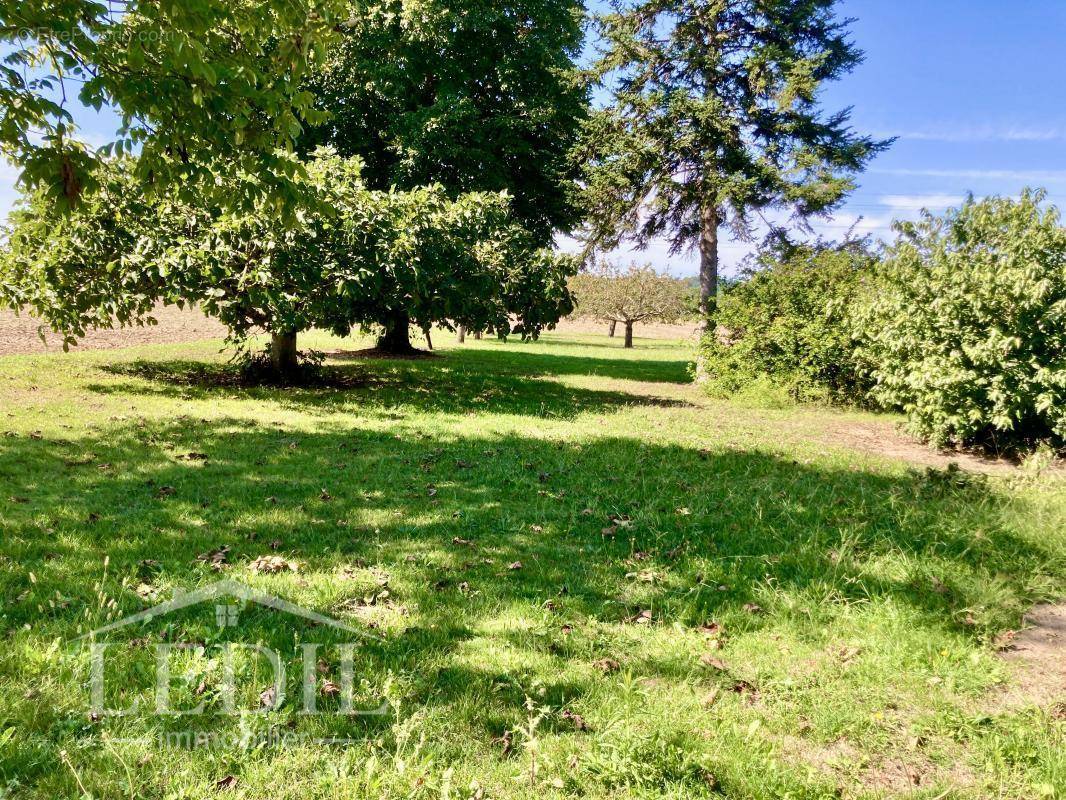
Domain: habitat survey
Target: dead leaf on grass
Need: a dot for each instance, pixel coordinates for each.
(714, 662)
(577, 720)
(227, 783)
(217, 559)
(273, 564)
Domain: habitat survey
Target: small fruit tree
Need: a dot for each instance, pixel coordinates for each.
(345, 259)
(631, 295)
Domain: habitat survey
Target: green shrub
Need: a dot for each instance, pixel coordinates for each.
(782, 332)
(965, 327)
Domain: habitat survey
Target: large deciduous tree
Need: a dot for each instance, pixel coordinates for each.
(199, 87)
(350, 255)
(630, 296)
(713, 118)
(474, 95)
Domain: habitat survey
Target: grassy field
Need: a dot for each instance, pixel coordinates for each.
(582, 579)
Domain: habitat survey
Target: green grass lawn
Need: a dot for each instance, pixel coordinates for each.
(582, 579)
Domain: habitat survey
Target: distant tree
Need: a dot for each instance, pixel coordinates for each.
(200, 87)
(350, 257)
(629, 296)
(713, 118)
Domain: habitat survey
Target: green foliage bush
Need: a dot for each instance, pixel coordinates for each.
(782, 332)
(349, 258)
(965, 327)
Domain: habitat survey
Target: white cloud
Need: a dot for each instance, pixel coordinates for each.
(906, 202)
(982, 133)
(1026, 176)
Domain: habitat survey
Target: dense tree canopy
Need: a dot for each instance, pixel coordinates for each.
(478, 95)
(630, 296)
(965, 328)
(200, 87)
(713, 118)
(350, 258)
(783, 328)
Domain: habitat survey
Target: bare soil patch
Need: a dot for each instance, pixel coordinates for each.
(884, 439)
(857, 773)
(1038, 655)
(19, 333)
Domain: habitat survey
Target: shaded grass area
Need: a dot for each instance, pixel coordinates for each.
(537, 537)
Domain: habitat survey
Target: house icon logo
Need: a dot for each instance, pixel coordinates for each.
(316, 678)
(227, 589)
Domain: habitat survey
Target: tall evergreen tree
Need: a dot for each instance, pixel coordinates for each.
(713, 117)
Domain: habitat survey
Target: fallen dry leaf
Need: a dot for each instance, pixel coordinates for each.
(268, 698)
(577, 720)
(273, 564)
(515, 566)
(506, 741)
(217, 559)
(713, 661)
(229, 782)
(329, 688)
(607, 665)
(1004, 640)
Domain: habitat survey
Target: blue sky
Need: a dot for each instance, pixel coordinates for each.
(974, 89)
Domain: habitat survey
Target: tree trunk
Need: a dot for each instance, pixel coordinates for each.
(283, 352)
(429, 338)
(709, 223)
(462, 333)
(614, 326)
(629, 334)
(397, 336)
(477, 335)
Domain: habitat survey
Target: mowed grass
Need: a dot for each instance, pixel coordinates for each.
(583, 580)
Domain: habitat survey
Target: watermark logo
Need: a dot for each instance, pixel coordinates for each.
(319, 670)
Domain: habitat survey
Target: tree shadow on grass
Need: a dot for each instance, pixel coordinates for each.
(475, 532)
(520, 385)
(618, 364)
